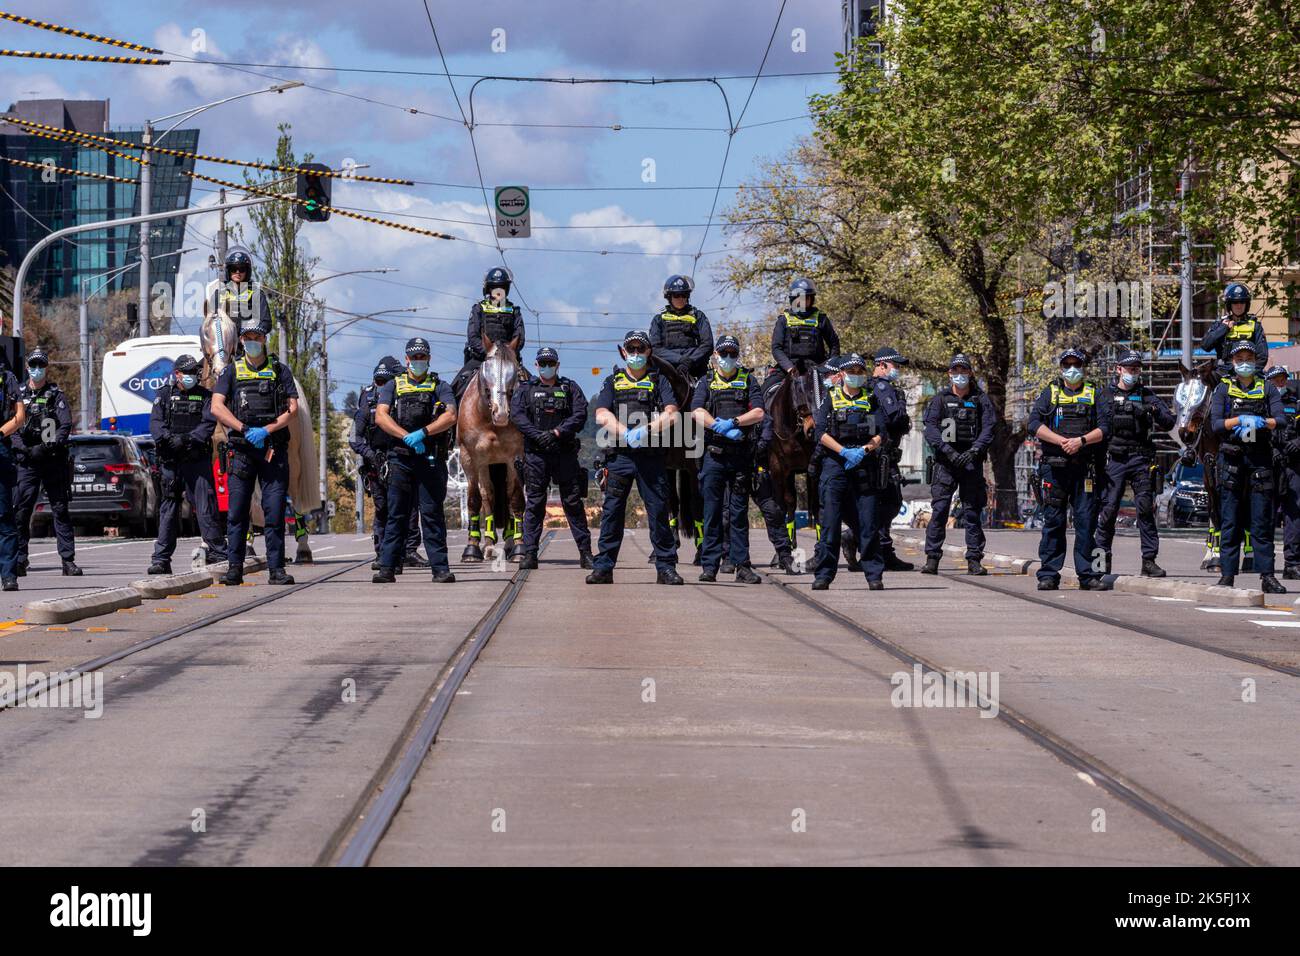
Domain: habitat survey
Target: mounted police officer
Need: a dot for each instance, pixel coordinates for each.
(1286, 467)
(850, 427)
(1136, 413)
(1243, 412)
(41, 449)
(1237, 325)
(13, 415)
(729, 404)
(633, 408)
(496, 317)
(892, 403)
(418, 410)
(1071, 422)
(550, 411)
(959, 425)
(803, 337)
(182, 425)
(680, 335)
(255, 398)
(237, 297)
(371, 443)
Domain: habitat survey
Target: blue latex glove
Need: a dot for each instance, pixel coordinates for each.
(853, 457)
(415, 440)
(257, 436)
(1238, 430)
(723, 425)
(1258, 422)
(735, 434)
(636, 437)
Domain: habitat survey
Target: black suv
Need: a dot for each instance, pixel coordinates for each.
(111, 485)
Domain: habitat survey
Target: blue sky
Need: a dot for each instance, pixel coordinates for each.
(645, 233)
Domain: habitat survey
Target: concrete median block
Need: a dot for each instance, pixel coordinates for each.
(251, 566)
(77, 606)
(152, 589)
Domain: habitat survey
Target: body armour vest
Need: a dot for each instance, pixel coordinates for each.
(258, 401)
(681, 332)
(728, 398)
(966, 416)
(853, 419)
(803, 335)
(1074, 414)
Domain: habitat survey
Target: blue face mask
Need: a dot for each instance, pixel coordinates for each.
(854, 380)
(1244, 369)
(189, 381)
(419, 369)
(254, 349)
(547, 372)
(960, 381)
(636, 362)
(1073, 375)
(727, 364)
(1128, 379)
(37, 375)
(891, 375)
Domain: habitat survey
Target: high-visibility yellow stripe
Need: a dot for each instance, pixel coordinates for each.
(85, 57)
(68, 136)
(81, 34)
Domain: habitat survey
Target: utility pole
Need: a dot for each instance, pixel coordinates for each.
(1184, 184)
(222, 242)
(84, 325)
(146, 204)
(322, 375)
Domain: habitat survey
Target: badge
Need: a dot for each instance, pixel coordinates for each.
(1087, 486)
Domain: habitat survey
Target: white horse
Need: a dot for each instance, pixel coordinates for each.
(219, 336)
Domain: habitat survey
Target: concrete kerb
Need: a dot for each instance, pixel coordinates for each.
(162, 586)
(251, 566)
(76, 606)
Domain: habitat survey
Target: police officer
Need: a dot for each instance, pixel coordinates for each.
(850, 428)
(371, 443)
(41, 449)
(255, 398)
(1286, 468)
(892, 404)
(1136, 412)
(496, 317)
(13, 413)
(1244, 410)
(680, 335)
(182, 427)
(633, 408)
(729, 404)
(550, 411)
(803, 336)
(237, 297)
(1237, 325)
(417, 410)
(959, 429)
(1071, 422)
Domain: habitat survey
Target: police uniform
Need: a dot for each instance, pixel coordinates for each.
(1221, 339)
(891, 401)
(241, 302)
(539, 409)
(683, 339)
(41, 449)
(182, 425)
(799, 340)
(853, 421)
(726, 471)
(257, 396)
(9, 390)
(1286, 471)
(500, 322)
(635, 402)
(1069, 480)
(413, 474)
(1245, 474)
(372, 443)
(1135, 414)
(959, 431)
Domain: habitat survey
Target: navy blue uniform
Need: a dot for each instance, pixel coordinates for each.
(412, 475)
(500, 323)
(1245, 473)
(1068, 480)
(181, 423)
(683, 339)
(726, 473)
(1136, 414)
(798, 342)
(956, 424)
(9, 389)
(892, 404)
(539, 410)
(253, 395)
(371, 443)
(635, 402)
(852, 421)
(1221, 339)
(1286, 443)
(41, 449)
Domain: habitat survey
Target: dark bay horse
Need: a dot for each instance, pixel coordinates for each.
(489, 444)
(791, 450)
(1200, 443)
(685, 507)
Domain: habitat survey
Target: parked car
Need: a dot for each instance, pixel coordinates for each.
(1183, 501)
(111, 485)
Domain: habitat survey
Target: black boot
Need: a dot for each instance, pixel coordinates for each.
(1093, 584)
(233, 577)
(528, 562)
(931, 565)
(374, 565)
(746, 575)
(1270, 585)
(584, 560)
(160, 567)
(23, 565)
(10, 584)
(279, 576)
(1225, 581)
(786, 563)
(1048, 584)
(727, 567)
(669, 576)
(444, 577)
(413, 560)
(875, 585)
(708, 576)
(600, 577)
(973, 566)
(383, 576)
(1152, 570)
(1291, 572)
(70, 569)
(821, 584)
(894, 563)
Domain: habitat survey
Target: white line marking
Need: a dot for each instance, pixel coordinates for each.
(1184, 600)
(1238, 610)
(1277, 623)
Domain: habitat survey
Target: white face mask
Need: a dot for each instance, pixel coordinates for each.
(1072, 375)
(636, 362)
(853, 380)
(189, 381)
(1128, 379)
(419, 369)
(727, 364)
(960, 380)
(254, 349)
(1244, 369)
(547, 372)
(891, 374)
(37, 375)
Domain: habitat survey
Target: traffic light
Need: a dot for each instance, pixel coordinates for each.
(313, 193)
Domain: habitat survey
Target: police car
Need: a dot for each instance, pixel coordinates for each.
(111, 485)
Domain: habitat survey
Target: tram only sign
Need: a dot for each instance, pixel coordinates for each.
(512, 212)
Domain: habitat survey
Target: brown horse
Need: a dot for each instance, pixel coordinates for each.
(685, 507)
(791, 450)
(1200, 443)
(486, 437)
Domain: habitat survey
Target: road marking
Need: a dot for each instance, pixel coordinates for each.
(323, 550)
(1238, 610)
(1185, 600)
(94, 547)
(1277, 623)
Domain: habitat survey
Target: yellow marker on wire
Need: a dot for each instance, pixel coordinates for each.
(66, 172)
(80, 34)
(85, 57)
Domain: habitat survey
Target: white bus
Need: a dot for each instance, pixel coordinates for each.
(133, 372)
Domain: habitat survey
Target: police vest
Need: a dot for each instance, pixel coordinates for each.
(1074, 414)
(1130, 420)
(633, 395)
(680, 332)
(40, 409)
(852, 420)
(498, 321)
(245, 303)
(1245, 329)
(416, 404)
(1246, 401)
(966, 417)
(728, 398)
(183, 411)
(1289, 425)
(549, 405)
(258, 397)
(803, 335)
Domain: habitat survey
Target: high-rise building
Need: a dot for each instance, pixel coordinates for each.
(862, 21)
(34, 202)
